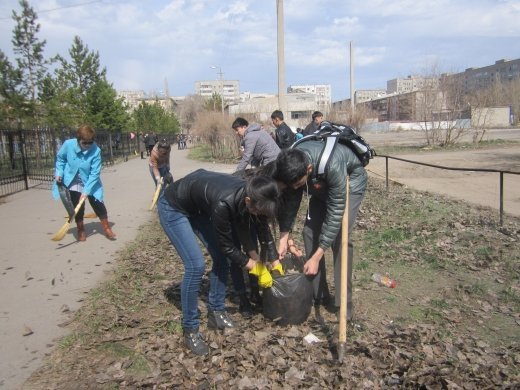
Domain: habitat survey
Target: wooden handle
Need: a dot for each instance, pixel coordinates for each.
(344, 270)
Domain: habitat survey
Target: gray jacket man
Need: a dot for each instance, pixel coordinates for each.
(259, 146)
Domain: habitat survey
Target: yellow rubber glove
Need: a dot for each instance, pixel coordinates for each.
(277, 270)
(264, 277)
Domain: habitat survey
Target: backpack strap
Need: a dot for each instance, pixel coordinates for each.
(330, 144)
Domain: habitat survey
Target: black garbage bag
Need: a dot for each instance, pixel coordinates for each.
(289, 300)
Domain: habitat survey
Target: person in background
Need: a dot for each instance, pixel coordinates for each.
(78, 167)
(317, 118)
(299, 134)
(160, 160)
(142, 145)
(150, 142)
(284, 136)
(259, 147)
(215, 207)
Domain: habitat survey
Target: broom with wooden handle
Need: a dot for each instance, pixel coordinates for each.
(344, 275)
(65, 228)
(156, 194)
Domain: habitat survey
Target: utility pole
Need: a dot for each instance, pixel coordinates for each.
(352, 105)
(281, 57)
(220, 74)
(166, 91)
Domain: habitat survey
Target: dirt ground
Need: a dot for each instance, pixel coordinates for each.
(480, 188)
(452, 321)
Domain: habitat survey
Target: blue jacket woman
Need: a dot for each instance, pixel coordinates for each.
(217, 208)
(78, 168)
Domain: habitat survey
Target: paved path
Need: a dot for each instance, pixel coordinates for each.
(44, 282)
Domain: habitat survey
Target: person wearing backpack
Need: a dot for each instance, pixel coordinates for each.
(297, 169)
(284, 136)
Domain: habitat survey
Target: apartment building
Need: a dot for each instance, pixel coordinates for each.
(364, 95)
(410, 84)
(479, 78)
(228, 89)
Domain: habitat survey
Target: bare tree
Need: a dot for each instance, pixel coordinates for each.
(354, 118)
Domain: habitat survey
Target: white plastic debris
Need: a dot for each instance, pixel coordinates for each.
(311, 339)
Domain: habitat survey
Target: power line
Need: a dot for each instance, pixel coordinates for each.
(60, 8)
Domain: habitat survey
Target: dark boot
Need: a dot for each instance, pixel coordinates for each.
(220, 320)
(82, 236)
(245, 306)
(255, 296)
(194, 342)
(106, 228)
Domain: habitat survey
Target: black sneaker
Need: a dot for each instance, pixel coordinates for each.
(194, 342)
(220, 320)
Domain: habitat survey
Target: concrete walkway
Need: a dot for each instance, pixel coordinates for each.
(43, 282)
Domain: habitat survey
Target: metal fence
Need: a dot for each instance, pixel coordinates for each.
(27, 157)
(500, 172)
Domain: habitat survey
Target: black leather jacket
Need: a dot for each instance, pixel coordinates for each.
(284, 136)
(220, 197)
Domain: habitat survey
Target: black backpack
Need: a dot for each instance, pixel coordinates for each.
(331, 134)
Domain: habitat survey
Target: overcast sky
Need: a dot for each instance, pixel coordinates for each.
(144, 42)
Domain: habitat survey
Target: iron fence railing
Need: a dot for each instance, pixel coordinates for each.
(27, 157)
(500, 172)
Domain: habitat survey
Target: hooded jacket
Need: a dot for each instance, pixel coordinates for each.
(259, 147)
(220, 197)
(331, 188)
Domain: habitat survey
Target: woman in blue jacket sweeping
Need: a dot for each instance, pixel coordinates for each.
(78, 167)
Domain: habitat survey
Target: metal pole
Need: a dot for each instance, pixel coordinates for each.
(352, 103)
(501, 197)
(386, 160)
(221, 90)
(281, 57)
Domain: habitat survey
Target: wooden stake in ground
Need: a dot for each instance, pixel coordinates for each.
(156, 195)
(65, 228)
(344, 276)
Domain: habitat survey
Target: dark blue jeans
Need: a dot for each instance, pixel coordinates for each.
(183, 232)
(162, 171)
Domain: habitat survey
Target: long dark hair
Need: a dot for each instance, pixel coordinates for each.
(263, 192)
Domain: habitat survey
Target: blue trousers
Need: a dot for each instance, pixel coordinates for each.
(162, 171)
(183, 232)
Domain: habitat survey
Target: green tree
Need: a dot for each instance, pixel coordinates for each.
(66, 95)
(154, 118)
(31, 65)
(104, 109)
(10, 99)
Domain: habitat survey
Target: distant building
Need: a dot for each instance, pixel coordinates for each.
(474, 79)
(410, 84)
(321, 92)
(228, 89)
(364, 95)
(300, 107)
(134, 98)
(247, 95)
